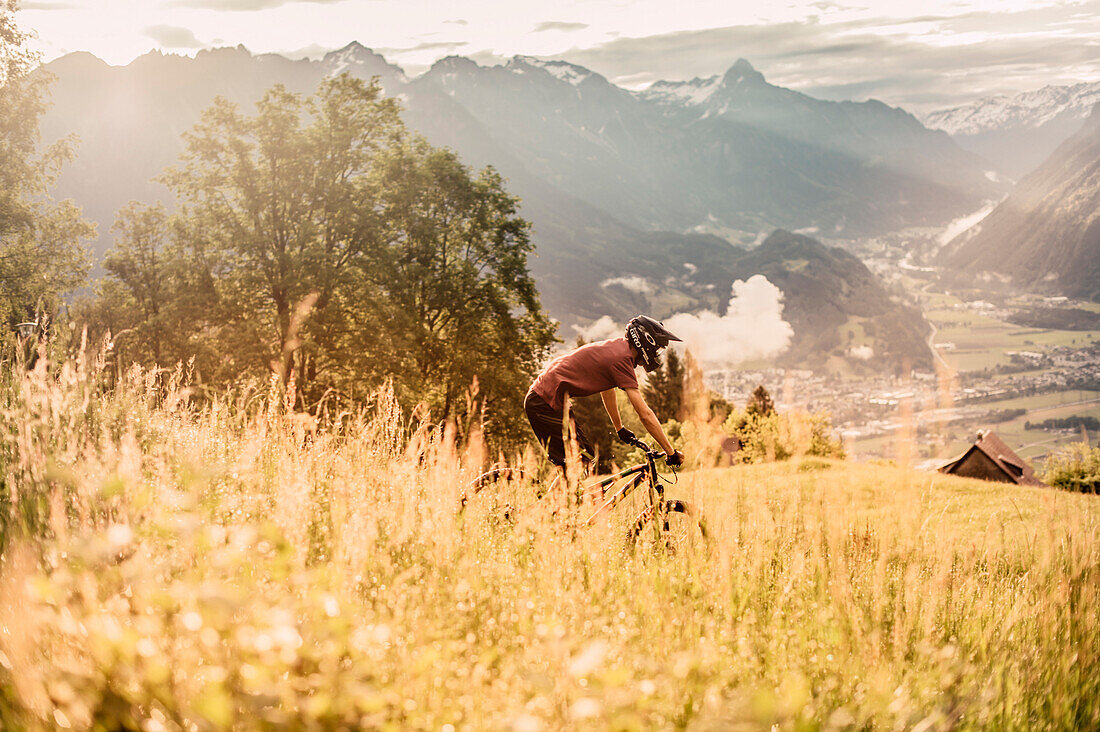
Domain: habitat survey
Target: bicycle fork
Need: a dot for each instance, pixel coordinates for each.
(660, 510)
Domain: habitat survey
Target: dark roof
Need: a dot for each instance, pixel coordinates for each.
(1013, 467)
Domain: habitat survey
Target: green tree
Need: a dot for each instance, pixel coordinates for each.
(1075, 467)
(42, 252)
(274, 209)
(459, 301)
(760, 402)
(319, 240)
(150, 296)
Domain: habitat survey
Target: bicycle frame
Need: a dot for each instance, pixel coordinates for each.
(614, 489)
(634, 476)
(637, 475)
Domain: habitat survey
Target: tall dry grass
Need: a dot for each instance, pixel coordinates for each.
(171, 562)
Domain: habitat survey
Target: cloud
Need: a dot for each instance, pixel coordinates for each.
(46, 5)
(752, 328)
(633, 283)
(557, 25)
(921, 63)
(863, 353)
(171, 36)
(312, 51)
(426, 46)
(245, 5)
(456, 21)
(601, 329)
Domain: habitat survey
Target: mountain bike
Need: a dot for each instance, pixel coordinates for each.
(663, 522)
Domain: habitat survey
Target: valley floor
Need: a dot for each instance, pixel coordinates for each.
(990, 374)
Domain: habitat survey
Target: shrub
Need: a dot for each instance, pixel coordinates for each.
(1075, 468)
(767, 437)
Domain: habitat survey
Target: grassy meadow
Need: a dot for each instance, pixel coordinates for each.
(173, 560)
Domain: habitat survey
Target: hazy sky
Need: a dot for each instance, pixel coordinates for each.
(947, 52)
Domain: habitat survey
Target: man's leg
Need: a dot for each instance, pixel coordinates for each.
(547, 425)
(584, 445)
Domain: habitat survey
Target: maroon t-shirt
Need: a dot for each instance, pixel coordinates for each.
(589, 370)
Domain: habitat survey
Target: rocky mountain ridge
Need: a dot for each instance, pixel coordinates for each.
(1027, 109)
(1015, 134)
(733, 155)
(1045, 235)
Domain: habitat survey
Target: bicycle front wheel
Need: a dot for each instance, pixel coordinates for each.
(680, 527)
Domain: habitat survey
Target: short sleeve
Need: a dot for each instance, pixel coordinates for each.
(622, 373)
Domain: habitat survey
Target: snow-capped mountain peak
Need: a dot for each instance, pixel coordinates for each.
(355, 58)
(701, 92)
(687, 93)
(561, 70)
(741, 72)
(1026, 110)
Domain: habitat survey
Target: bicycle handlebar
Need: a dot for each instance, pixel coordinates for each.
(655, 454)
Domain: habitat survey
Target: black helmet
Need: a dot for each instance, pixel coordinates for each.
(648, 337)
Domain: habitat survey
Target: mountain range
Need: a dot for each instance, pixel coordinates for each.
(732, 155)
(1016, 134)
(618, 184)
(1046, 234)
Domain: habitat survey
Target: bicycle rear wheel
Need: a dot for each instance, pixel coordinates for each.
(504, 492)
(486, 480)
(682, 528)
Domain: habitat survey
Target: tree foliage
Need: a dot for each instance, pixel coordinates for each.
(151, 294)
(765, 435)
(1075, 467)
(320, 241)
(42, 253)
(760, 403)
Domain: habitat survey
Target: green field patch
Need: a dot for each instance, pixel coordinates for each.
(853, 333)
(1030, 444)
(1035, 444)
(981, 342)
(1046, 401)
(668, 300)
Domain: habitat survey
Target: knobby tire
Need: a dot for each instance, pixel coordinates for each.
(686, 526)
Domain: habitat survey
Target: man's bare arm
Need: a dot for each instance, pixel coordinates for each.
(649, 419)
(612, 407)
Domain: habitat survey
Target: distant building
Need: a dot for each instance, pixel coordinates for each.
(989, 458)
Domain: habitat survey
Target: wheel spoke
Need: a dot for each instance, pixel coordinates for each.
(680, 528)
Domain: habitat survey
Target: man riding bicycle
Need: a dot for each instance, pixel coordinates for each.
(600, 368)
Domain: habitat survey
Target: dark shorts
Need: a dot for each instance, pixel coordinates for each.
(547, 424)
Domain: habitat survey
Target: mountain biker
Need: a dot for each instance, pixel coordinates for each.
(600, 368)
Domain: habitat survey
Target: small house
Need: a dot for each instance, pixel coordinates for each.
(989, 458)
